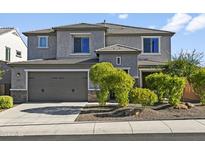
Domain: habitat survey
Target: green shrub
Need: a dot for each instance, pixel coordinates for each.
(97, 74)
(175, 87)
(166, 86)
(6, 102)
(198, 83)
(99, 71)
(143, 96)
(103, 96)
(180, 68)
(120, 83)
(157, 83)
(109, 78)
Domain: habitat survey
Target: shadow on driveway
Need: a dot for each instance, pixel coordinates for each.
(55, 110)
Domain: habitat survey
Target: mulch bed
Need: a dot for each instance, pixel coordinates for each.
(135, 113)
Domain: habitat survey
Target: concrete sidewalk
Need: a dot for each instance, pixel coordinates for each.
(59, 119)
(92, 128)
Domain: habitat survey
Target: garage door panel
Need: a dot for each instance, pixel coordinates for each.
(58, 86)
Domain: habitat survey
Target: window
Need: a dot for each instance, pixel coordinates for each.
(18, 53)
(118, 61)
(81, 45)
(151, 45)
(8, 54)
(43, 42)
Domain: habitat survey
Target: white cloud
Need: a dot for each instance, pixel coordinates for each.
(177, 22)
(196, 23)
(123, 16)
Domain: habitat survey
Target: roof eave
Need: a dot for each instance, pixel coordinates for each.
(140, 34)
(79, 28)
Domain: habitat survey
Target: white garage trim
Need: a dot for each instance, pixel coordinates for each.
(54, 70)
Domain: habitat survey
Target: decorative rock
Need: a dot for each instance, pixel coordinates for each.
(189, 105)
(181, 106)
(137, 113)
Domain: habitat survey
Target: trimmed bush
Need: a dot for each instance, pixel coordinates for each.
(102, 96)
(175, 87)
(198, 83)
(143, 96)
(166, 86)
(157, 83)
(99, 71)
(6, 102)
(109, 78)
(120, 83)
(97, 74)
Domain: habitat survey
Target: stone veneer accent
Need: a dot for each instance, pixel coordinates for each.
(92, 97)
(19, 96)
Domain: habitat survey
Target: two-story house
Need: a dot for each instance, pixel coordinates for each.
(12, 49)
(59, 59)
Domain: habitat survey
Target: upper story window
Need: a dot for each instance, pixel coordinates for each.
(8, 54)
(118, 61)
(43, 42)
(151, 45)
(81, 45)
(18, 54)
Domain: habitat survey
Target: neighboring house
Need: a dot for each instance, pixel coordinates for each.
(12, 49)
(59, 59)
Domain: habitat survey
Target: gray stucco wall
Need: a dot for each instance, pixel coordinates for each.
(6, 78)
(20, 82)
(41, 53)
(127, 60)
(65, 42)
(136, 41)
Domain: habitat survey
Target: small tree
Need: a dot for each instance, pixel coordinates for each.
(109, 78)
(198, 83)
(97, 74)
(120, 83)
(181, 68)
(192, 57)
(184, 64)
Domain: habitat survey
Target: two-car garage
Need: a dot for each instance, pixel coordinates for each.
(57, 86)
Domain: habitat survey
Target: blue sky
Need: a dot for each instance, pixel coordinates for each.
(189, 28)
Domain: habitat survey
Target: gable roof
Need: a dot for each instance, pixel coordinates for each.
(67, 61)
(41, 31)
(80, 26)
(118, 48)
(110, 28)
(117, 29)
(5, 30)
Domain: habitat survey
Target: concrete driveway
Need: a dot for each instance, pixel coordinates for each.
(39, 114)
